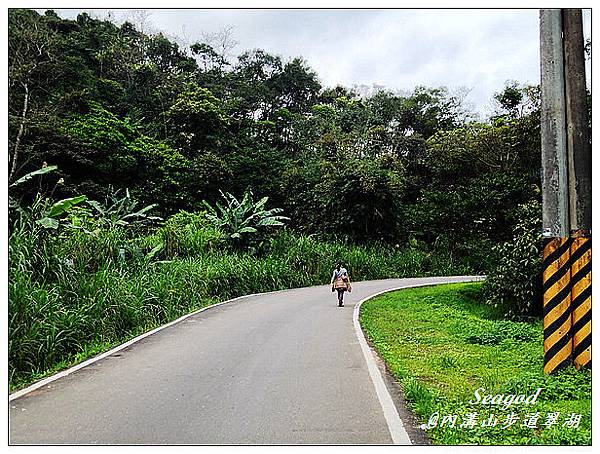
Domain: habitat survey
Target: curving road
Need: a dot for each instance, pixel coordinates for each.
(278, 368)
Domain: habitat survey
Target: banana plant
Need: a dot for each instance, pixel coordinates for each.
(244, 219)
(49, 218)
(14, 203)
(30, 175)
(122, 210)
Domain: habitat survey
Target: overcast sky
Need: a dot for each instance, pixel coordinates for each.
(399, 49)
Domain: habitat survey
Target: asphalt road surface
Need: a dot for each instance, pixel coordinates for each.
(280, 368)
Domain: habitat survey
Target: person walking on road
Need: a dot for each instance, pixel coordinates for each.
(340, 281)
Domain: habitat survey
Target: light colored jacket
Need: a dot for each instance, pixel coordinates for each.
(340, 279)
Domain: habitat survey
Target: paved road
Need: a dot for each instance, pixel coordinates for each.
(281, 368)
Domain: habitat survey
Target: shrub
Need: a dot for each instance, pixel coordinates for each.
(107, 236)
(29, 246)
(88, 245)
(187, 234)
(514, 284)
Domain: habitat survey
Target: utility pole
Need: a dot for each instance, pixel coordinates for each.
(579, 150)
(556, 275)
(578, 139)
(566, 192)
(555, 200)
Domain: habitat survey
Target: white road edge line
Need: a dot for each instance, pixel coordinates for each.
(394, 422)
(75, 368)
(69, 371)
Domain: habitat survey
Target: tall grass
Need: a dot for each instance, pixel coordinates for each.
(72, 291)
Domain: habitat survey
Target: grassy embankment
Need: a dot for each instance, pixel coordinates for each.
(442, 343)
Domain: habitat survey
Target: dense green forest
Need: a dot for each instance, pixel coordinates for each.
(147, 180)
(111, 106)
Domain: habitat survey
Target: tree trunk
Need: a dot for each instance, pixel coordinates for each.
(19, 133)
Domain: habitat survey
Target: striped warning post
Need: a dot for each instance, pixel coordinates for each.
(581, 299)
(557, 304)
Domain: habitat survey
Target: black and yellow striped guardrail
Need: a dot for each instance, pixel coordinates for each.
(567, 285)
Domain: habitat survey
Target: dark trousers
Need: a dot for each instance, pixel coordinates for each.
(340, 292)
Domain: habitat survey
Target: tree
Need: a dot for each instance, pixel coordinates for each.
(516, 101)
(196, 119)
(428, 110)
(350, 198)
(209, 59)
(32, 55)
(124, 105)
(255, 84)
(296, 87)
(166, 55)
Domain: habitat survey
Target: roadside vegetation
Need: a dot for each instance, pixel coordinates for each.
(148, 178)
(93, 275)
(442, 343)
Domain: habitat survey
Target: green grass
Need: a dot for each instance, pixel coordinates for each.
(442, 343)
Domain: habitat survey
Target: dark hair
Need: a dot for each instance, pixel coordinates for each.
(339, 265)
